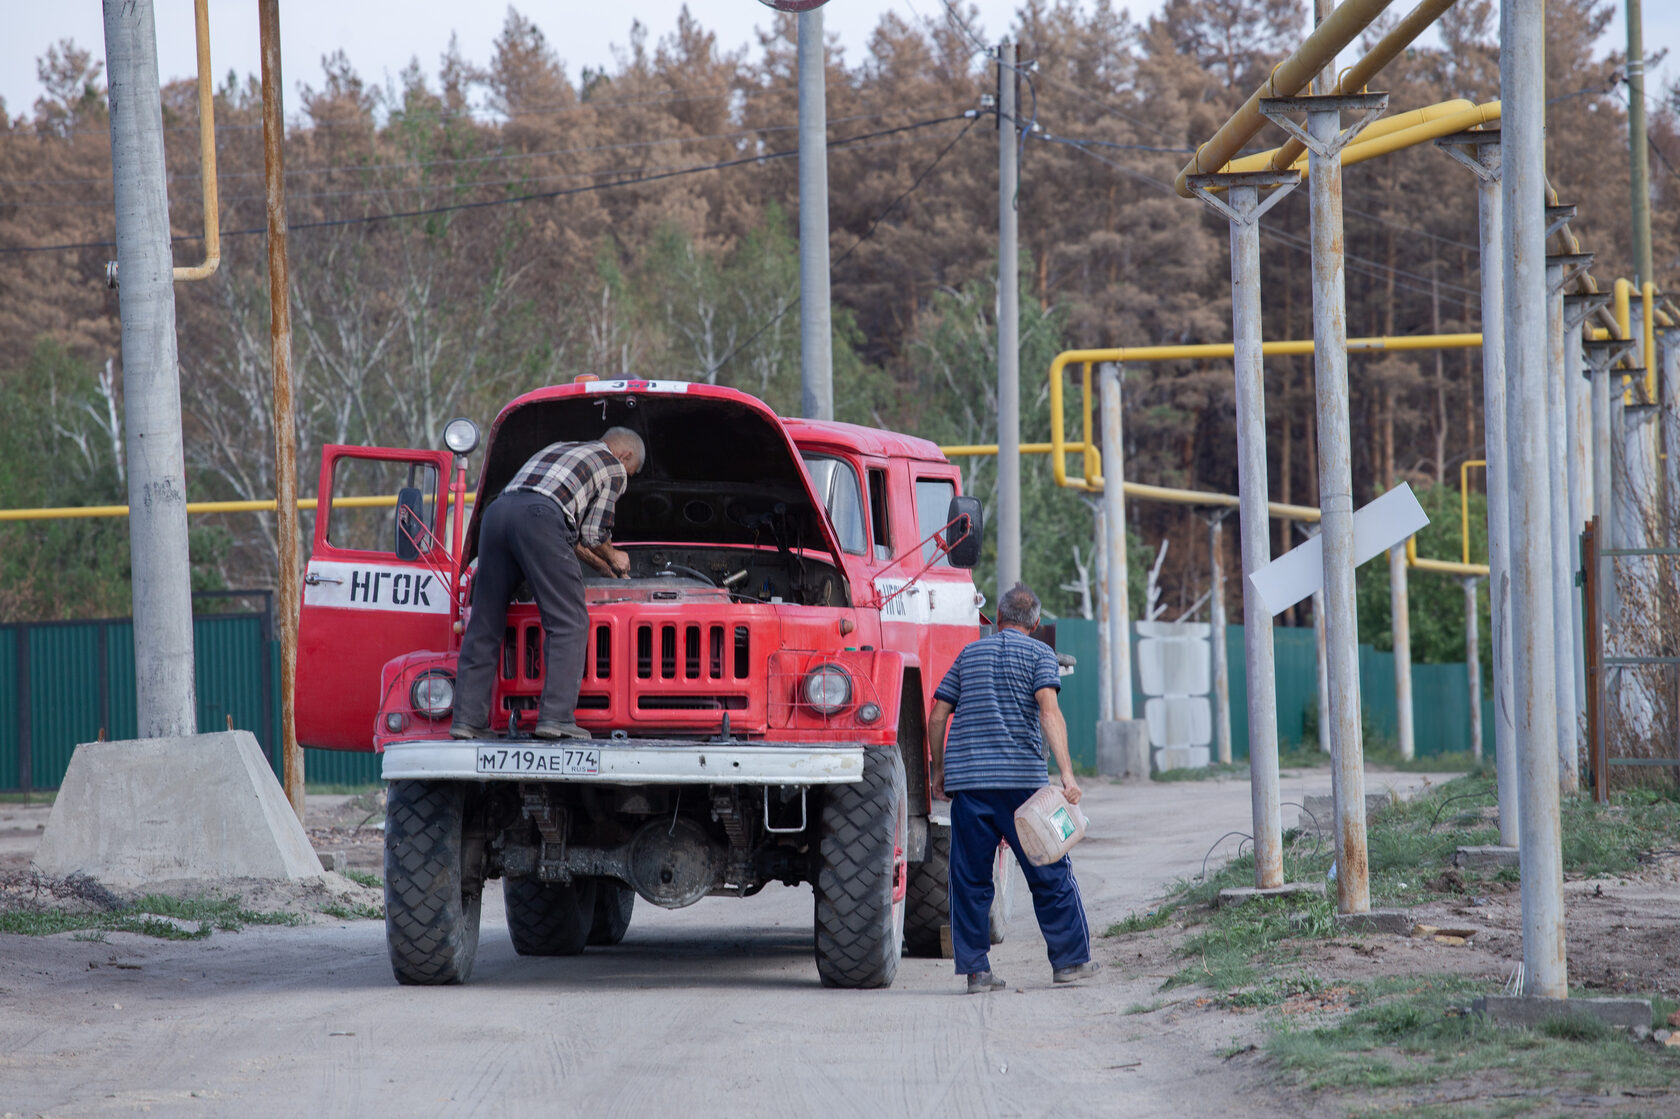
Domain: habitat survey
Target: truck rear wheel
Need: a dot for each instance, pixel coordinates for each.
(614, 902)
(549, 919)
(431, 905)
(927, 904)
(860, 881)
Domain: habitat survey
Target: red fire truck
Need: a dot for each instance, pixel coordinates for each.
(757, 689)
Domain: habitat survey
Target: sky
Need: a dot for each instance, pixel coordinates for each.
(380, 38)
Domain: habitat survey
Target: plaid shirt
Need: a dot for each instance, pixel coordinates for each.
(584, 479)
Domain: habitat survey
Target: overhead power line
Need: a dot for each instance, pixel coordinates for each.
(495, 157)
(867, 234)
(484, 204)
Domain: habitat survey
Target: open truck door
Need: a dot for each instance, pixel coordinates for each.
(378, 585)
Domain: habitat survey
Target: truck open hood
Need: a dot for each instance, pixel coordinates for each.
(720, 467)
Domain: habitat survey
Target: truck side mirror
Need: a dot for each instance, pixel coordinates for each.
(411, 524)
(962, 537)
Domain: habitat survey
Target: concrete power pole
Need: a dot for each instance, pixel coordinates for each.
(1008, 333)
(1639, 155)
(157, 481)
(816, 359)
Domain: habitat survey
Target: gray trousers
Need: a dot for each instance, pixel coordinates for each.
(524, 536)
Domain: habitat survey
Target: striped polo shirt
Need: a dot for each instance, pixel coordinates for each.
(994, 740)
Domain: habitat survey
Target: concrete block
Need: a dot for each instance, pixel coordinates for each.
(1164, 758)
(1123, 748)
(1485, 858)
(1532, 1010)
(1319, 812)
(335, 861)
(155, 809)
(1238, 895)
(1397, 921)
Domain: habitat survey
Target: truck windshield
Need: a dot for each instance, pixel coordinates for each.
(836, 484)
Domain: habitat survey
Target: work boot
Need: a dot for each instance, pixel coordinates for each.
(465, 730)
(1076, 972)
(553, 728)
(981, 981)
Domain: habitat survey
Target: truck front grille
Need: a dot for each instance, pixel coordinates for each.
(698, 651)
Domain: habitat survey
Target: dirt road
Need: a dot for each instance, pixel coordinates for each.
(708, 1011)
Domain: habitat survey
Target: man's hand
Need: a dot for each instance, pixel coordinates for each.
(1070, 789)
(587, 555)
(618, 561)
(936, 783)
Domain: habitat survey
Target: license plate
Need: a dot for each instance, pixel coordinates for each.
(566, 761)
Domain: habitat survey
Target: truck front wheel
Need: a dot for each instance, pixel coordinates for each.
(431, 904)
(860, 875)
(549, 919)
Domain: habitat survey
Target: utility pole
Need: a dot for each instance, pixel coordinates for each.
(285, 431)
(1009, 335)
(1522, 187)
(1639, 156)
(157, 475)
(816, 335)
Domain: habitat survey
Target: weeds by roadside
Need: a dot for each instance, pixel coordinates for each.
(363, 878)
(1398, 1033)
(1410, 1031)
(355, 912)
(166, 918)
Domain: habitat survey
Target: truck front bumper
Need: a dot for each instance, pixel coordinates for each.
(628, 762)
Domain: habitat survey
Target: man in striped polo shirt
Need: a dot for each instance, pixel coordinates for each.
(999, 698)
(557, 509)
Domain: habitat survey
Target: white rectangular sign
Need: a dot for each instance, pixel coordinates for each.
(1298, 573)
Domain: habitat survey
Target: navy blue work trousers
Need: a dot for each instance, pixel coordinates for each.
(979, 819)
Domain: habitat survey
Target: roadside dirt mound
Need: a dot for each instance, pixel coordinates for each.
(325, 897)
(29, 891)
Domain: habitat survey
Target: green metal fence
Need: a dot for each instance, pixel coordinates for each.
(62, 682)
(1440, 694)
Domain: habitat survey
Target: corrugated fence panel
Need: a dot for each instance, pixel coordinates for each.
(10, 723)
(1079, 701)
(1440, 709)
(1440, 692)
(341, 767)
(63, 697)
(228, 662)
(122, 706)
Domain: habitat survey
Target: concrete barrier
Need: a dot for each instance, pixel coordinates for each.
(1123, 748)
(156, 809)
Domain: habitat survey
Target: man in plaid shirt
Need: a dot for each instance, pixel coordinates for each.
(558, 509)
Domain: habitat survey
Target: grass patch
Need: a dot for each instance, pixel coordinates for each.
(1146, 1007)
(1302, 756)
(1141, 922)
(1203, 773)
(356, 912)
(1389, 758)
(163, 917)
(1242, 944)
(1409, 845)
(1412, 1031)
(363, 878)
(36, 796)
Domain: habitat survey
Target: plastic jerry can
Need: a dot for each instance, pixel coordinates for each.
(1048, 826)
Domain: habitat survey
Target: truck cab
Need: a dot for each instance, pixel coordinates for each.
(756, 690)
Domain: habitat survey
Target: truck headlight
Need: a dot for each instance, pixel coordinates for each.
(433, 693)
(828, 689)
